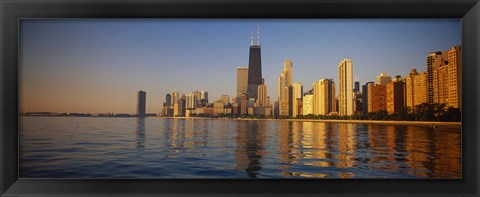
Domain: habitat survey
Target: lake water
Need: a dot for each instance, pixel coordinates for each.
(89, 147)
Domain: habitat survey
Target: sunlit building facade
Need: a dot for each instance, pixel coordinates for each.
(345, 80)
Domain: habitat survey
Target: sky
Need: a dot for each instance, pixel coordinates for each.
(99, 65)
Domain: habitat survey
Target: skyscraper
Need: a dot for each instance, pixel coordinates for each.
(365, 96)
(323, 97)
(284, 81)
(345, 80)
(175, 97)
(377, 98)
(396, 95)
(168, 100)
(141, 103)
(357, 87)
(307, 106)
(254, 68)
(455, 73)
(191, 100)
(242, 80)
(434, 61)
(297, 96)
(416, 89)
(262, 95)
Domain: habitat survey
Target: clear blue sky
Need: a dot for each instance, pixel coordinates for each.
(98, 65)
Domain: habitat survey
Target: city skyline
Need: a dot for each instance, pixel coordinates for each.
(33, 78)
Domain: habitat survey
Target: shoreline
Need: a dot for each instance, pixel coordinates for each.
(388, 122)
(384, 122)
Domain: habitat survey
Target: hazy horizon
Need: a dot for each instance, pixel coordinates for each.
(98, 65)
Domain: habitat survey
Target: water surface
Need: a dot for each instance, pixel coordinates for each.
(90, 147)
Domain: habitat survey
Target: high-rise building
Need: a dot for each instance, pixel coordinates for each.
(297, 96)
(175, 97)
(191, 100)
(383, 79)
(204, 97)
(284, 81)
(307, 106)
(396, 95)
(168, 100)
(435, 60)
(365, 95)
(225, 99)
(289, 100)
(416, 89)
(455, 77)
(357, 87)
(377, 100)
(262, 95)
(324, 97)
(141, 103)
(254, 68)
(345, 80)
(242, 80)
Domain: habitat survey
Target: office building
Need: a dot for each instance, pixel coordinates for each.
(141, 103)
(297, 96)
(377, 100)
(435, 60)
(324, 97)
(396, 95)
(242, 80)
(168, 100)
(345, 80)
(254, 68)
(307, 106)
(365, 95)
(262, 95)
(284, 81)
(191, 100)
(175, 97)
(416, 89)
(455, 77)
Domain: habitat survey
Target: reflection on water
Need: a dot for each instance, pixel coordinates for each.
(67, 147)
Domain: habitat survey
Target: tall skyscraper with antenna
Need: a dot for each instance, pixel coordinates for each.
(254, 68)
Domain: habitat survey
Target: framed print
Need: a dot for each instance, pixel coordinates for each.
(239, 98)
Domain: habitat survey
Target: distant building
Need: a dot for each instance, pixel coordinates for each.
(396, 95)
(168, 100)
(415, 89)
(191, 100)
(297, 96)
(254, 68)
(455, 77)
(175, 97)
(377, 100)
(345, 80)
(225, 99)
(324, 97)
(262, 95)
(284, 81)
(435, 60)
(242, 80)
(383, 79)
(218, 107)
(204, 98)
(307, 107)
(357, 87)
(365, 96)
(141, 103)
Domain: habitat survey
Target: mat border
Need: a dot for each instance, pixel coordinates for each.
(11, 11)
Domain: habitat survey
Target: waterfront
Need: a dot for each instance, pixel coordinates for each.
(87, 147)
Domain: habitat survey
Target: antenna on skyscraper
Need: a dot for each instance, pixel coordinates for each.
(251, 38)
(258, 38)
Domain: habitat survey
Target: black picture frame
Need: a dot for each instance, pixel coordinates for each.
(11, 11)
